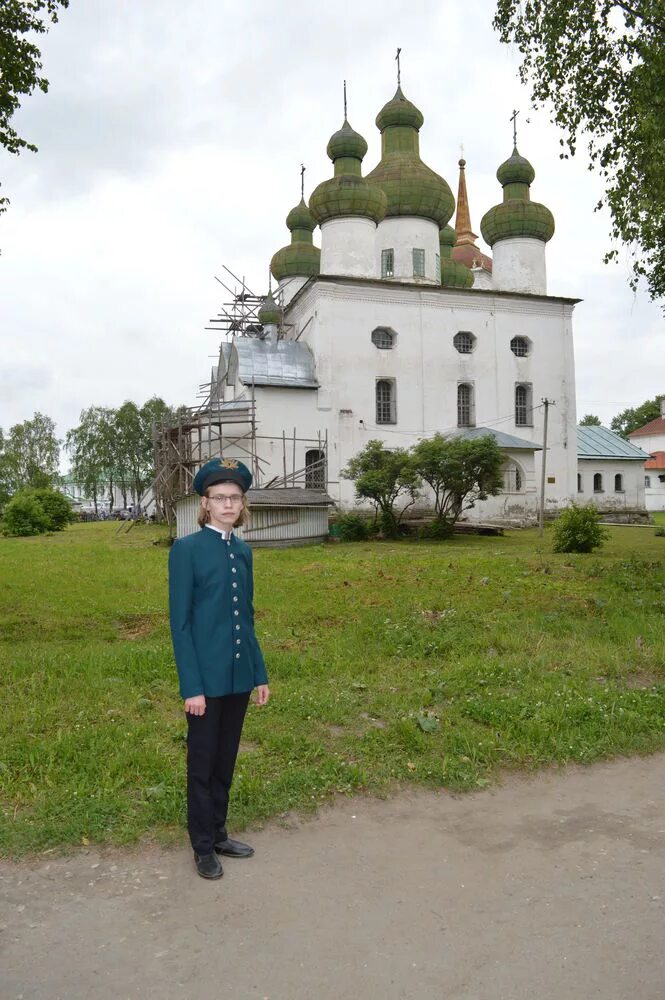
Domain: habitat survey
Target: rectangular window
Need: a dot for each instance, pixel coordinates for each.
(523, 404)
(466, 416)
(387, 263)
(437, 266)
(418, 263)
(386, 408)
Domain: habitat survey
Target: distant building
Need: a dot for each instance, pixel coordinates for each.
(651, 438)
(610, 471)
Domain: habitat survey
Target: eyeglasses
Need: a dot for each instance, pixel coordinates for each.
(221, 500)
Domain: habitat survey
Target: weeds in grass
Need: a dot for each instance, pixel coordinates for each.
(434, 663)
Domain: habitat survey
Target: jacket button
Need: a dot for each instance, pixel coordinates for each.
(235, 598)
(236, 612)
(237, 628)
(237, 656)
(234, 584)
(233, 569)
(237, 642)
(231, 556)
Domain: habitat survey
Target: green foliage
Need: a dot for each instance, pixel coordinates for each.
(590, 420)
(633, 418)
(460, 472)
(578, 529)
(522, 664)
(381, 475)
(57, 508)
(29, 456)
(352, 527)
(20, 21)
(24, 515)
(659, 532)
(112, 448)
(599, 65)
(31, 512)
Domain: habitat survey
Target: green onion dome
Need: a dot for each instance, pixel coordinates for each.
(270, 313)
(411, 187)
(348, 193)
(300, 258)
(517, 216)
(454, 274)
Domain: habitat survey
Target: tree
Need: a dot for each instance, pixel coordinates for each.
(29, 456)
(90, 447)
(459, 471)
(381, 476)
(20, 62)
(590, 420)
(635, 417)
(24, 515)
(577, 529)
(599, 66)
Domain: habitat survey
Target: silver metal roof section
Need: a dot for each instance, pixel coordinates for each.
(600, 442)
(287, 363)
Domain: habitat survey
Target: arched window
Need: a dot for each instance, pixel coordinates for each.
(520, 346)
(465, 405)
(513, 479)
(464, 342)
(523, 405)
(647, 482)
(580, 487)
(618, 483)
(315, 469)
(597, 483)
(383, 338)
(386, 410)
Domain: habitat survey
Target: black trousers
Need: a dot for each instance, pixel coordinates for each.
(212, 747)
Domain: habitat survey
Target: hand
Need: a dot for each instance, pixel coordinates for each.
(196, 705)
(262, 694)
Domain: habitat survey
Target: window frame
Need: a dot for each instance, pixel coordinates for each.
(389, 405)
(522, 340)
(472, 341)
(469, 405)
(618, 478)
(387, 332)
(315, 469)
(598, 482)
(512, 469)
(580, 483)
(420, 252)
(524, 409)
(388, 262)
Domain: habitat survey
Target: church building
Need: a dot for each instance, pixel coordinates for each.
(399, 326)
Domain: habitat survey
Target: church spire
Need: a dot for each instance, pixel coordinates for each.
(465, 235)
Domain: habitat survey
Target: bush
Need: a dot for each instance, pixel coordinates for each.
(660, 532)
(24, 515)
(578, 530)
(56, 507)
(31, 512)
(352, 528)
(437, 530)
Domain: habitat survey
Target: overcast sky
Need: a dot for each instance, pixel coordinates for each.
(170, 144)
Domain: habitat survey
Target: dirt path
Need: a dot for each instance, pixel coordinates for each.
(545, 888)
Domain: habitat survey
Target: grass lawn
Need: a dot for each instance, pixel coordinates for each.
(430, 663)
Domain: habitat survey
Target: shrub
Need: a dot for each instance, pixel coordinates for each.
(56, 507)
(24, 515)
(352, 527)
(437, 530)
(660, 532)
(577, 529)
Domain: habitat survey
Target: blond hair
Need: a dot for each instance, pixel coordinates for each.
(242, 518)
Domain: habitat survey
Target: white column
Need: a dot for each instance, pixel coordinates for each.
(518, 265)
(403, 234)
(347, 247)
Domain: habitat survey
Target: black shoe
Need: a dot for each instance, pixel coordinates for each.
(233, 848)
(208, 866)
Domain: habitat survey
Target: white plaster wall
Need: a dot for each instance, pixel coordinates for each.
(288, 287)
(518, 265)
(427, 370)
(654, 497)
(649, 442)
(348, 247)
(481, 278)
(402, 234)
(633, 484)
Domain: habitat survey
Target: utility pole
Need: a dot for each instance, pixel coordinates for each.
(546, 403)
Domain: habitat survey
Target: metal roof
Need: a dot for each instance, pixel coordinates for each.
(505, 441)
(285, 363)
(601, 442)
(289, 497)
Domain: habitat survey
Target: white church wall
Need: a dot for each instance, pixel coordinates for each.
(348, 247)
(404, 234)
(518, 265)
(427, 369)
(288, 288)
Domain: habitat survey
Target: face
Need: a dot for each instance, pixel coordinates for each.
(223, 503)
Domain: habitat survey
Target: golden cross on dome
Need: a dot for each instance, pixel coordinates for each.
(398, 67)
(302, 181)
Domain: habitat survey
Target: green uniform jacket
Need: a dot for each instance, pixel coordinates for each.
(211, 589)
